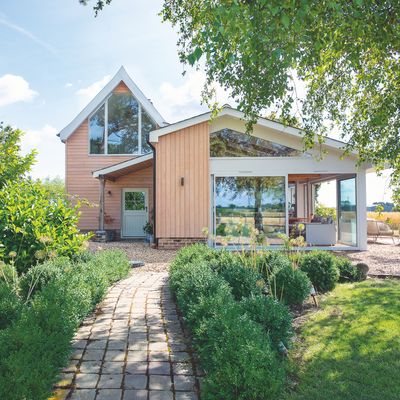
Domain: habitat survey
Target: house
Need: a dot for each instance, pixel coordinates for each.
(203, 172)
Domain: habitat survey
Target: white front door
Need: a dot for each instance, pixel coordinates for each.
(134, 212)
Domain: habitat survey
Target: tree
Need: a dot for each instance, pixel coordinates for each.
(345, 52)
(13, 165)
(254, 188)
(54, 186)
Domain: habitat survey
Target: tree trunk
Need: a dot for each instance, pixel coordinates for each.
(258, 217)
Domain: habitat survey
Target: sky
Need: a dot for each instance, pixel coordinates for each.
(56, 56)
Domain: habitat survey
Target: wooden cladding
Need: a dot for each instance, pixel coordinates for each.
(80, 182)
(183, 186)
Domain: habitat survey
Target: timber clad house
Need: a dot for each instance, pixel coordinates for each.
(200, 173)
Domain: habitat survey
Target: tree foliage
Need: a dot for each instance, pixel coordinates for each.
(13, 165)
(345, 52)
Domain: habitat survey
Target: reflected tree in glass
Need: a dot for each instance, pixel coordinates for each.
(260, 193)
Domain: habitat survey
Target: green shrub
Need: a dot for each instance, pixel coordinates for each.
(238, 358)
(244, 281)
(37, 344)
(40, 275)
(234, 350)
(347, 271)
(271, 261)
(10, 305)
(34, 227)
(290, 285)
(195, 252)
(321, 268)
(272, 315)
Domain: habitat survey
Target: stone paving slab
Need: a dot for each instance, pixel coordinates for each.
(133, 348)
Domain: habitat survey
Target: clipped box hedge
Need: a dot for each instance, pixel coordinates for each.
(236, 330)
(37, 343)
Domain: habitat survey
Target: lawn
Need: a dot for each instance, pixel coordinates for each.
(350, 349)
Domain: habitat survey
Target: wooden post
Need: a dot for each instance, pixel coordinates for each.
(101, 208)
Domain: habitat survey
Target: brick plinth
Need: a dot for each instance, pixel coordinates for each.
(177, 243)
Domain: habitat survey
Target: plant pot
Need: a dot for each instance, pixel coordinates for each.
(150, 238)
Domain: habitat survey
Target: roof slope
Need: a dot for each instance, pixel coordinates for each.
(232, 112)
(120, 76)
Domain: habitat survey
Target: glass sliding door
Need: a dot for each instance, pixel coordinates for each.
(347, 211)
(243, 204)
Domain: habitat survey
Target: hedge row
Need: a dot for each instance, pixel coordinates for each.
(36, 342)
(236, 329)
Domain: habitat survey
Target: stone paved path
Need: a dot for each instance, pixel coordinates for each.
(134, 348)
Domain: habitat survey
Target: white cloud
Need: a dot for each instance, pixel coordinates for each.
(68, 85)
(184, 100)
(50, 157)
(86, 94)
(14, 88)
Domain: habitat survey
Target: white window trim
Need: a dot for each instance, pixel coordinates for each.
(140, 148)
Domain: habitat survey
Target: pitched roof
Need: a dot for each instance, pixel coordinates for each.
(232, 112)
(120, 76)
(124, 166)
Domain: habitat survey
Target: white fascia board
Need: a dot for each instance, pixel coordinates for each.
(122, 165)
(120, 76)
(277, 126)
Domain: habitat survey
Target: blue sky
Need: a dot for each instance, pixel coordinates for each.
(55, 56)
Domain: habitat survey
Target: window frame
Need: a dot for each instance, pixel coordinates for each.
(105, 103)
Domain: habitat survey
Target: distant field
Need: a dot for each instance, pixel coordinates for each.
(392, 218)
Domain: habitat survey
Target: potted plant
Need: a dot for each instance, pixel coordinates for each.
(148, 230)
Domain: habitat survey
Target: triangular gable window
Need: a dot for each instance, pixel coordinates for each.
(229, 143)
(120, 126)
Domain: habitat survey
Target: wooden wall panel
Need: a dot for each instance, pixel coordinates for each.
(183, 211)
(79, 181)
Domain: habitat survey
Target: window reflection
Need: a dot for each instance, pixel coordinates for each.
(96, 129)
(229, 143)
(243, 204)
(147, 126)
(123, 124)
(122, 130)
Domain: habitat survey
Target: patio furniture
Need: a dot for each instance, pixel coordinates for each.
(320, 234)
(379, 229)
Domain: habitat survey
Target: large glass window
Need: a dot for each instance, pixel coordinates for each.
(243, 204)
(120, 126)
(122, 132)
(229, 143)
(347, 216)
(96, 131)
(147, 126)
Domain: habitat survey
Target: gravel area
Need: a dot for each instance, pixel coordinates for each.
(155, 260)
(382, 257)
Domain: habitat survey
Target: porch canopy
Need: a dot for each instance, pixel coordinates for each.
(115, 171)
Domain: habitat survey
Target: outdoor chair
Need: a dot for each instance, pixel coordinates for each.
(378, 229)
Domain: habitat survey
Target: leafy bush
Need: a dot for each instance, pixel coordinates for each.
(40, 275)
(235, 351)
(195, 252)
(272, 315)
(291, 285)
(321, 268)
(37, 344)
(10, 305)
(347, 271)
(238, 358)
(271, 261)
(33, 227)
(244, 281)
